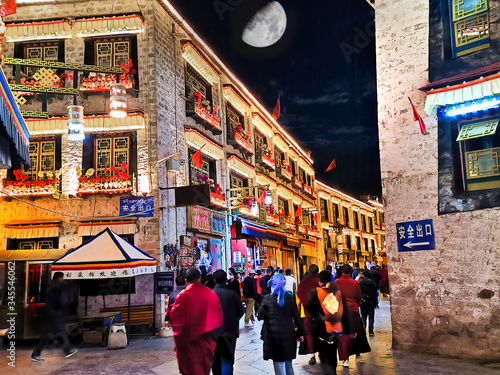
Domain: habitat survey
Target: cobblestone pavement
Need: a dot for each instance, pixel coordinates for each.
(155, 355)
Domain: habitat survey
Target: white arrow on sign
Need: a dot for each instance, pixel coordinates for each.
(410, 244)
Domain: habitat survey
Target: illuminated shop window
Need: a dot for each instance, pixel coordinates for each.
(38, 282)
(470, 26)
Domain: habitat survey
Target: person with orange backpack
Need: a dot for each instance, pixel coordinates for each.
(326, 308)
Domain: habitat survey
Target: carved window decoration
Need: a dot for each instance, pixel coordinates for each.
(43, 244)
(42, 158)
(113, 52)
(40, 51)
(469, 26)
(111, 153)
(283, 206)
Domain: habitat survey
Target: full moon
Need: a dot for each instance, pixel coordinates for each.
(266, 27)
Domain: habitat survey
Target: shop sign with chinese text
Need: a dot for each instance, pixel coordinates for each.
(204, 220)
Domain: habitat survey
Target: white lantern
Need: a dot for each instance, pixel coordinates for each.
(269, 197)
(76, 123)
(118, 101)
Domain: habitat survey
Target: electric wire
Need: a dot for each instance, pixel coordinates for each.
(86, 217)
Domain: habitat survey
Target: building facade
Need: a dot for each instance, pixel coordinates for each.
(189, 121)
(444, 56)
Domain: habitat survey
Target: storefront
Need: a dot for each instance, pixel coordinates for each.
(204, 246)
(309, 255)
(246, 245)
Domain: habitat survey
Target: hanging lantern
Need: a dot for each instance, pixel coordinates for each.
(269, 197)
(75, 123)
(118, 101)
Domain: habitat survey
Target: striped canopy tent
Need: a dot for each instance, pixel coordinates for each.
(104, 256)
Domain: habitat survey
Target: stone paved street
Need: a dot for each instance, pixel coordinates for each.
(154, 355)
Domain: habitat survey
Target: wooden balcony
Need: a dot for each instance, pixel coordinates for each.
(264, 160)
(242, 143)
(297, 182)
(285, 173)
(218, 201)
(203, 117)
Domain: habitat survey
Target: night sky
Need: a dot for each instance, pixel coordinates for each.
(324, 70)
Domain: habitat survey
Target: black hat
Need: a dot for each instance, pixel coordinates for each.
(220, 276)
(192, 275)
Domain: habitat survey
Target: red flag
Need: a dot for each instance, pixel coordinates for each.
(417, 117)
(316, 217)
(298, 213)
(262, 198)
(276, 112)
(197, 159)
(331, 166)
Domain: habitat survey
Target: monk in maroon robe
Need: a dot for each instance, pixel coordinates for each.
(194, 316)
(307, 285)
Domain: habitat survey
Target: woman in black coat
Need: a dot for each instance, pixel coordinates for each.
(234, 283)
(281, 317)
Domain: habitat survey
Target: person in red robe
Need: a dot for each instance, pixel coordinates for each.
(195, 315)
(353, 339)
(307, 285)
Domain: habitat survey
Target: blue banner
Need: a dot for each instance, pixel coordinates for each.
(415, 235)
(138, 206)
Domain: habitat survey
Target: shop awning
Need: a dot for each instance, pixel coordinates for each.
(276, 234)
(106, 255)
(306, 167)
(108, 25)
(241, 167)
(236, 100)
(14, 134)
(59, 125)
(292, 241)
(119, 227)
(308, 249)
(464, 92)
(262, 125)
(31, 255)
(252, 229)
(198, 62)
(32, 230)
(283, 192)
(198, 140)
(17, 32)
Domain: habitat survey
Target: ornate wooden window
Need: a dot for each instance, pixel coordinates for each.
(293, 166)
(233, 119)
(356, 219)
(48, 51)
(112, 52)
(370, 224)
(373, 246)
(302, 175)
(363, 222)
(196, 83)
(358, 243)
(470, 26)
(207, 169)
(36, 244)
(345, 215)
(42, 158)
(367, 248)
(335, 210)
(324, 210)
(278, 158)
(111, 151)
(283, 206)
(348, 241)
(260, 141)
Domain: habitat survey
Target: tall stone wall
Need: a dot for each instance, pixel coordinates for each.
(446, 300)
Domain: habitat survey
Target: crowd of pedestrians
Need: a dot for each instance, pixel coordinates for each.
(328, 314)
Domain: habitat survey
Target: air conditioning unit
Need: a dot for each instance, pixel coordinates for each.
(173, 165)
